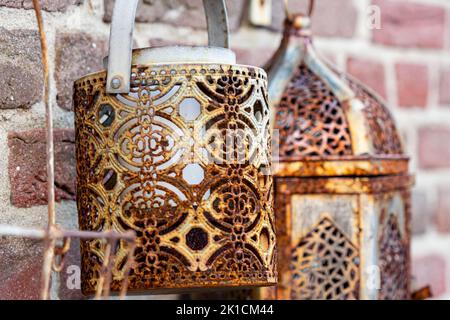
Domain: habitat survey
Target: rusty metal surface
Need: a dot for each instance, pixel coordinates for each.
(384, 135)
(309, 268)
(311, 120)
(342, 188)
(313, 123)
(324, 265)
(394, 262)
(322, 113)
(343, 185)
(343, 167)
(422, 294)
(133, 153)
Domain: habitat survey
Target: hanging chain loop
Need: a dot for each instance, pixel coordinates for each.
(309, 12)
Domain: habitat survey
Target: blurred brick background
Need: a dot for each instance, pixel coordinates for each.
(407, 61)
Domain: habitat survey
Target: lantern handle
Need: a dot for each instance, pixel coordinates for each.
(121, 39)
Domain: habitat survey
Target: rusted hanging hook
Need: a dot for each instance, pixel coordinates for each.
(310, 8)
(60, 254)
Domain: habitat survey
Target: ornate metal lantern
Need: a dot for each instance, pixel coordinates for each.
(173, 143)
(342, 188)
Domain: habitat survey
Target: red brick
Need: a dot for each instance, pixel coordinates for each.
(24, 284)
(71, 267)
(408, 24)
(434, 147)
(327, 18)
(77, 54)
(444, 87)
(430, 270)
(370, 72)
(27, 166)
(412, 84)
(186, 13)
(20, 69)
(21, 263)
(47, 5)
(443, 210)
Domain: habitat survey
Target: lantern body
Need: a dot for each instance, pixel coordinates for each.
(344, 238)
(342, 184)
(182, 158)
(146, 164)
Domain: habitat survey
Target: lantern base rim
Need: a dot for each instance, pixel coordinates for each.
(187, 289)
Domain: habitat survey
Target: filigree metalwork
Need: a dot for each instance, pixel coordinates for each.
(324, 265)
(313, 123)
(393, 262)
(159, 161)
(383, 132)
(310, 119)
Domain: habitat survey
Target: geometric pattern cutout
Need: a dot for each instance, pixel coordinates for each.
(310, 119)
(325, 265)
(312, 122)
(393, 263)
(383, 132)
(201, 206)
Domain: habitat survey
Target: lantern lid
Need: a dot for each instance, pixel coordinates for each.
(327, 122)
(181, 54)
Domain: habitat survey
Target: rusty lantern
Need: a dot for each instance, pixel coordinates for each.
(342, 188)
(174, 144)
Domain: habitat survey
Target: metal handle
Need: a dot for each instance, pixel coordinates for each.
(121, 39)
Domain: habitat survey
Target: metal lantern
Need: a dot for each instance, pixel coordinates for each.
(342, 188)
(173, 143)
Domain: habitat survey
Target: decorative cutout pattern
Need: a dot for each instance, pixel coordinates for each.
(325, 265)
(393, 263)
(201, 206)
(310, 119)
(312, 122)
(382, 128)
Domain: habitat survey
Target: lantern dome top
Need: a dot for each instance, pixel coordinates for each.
(322, 114)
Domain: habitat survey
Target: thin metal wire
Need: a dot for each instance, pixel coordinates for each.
(128, 265)
(101, 278)
(49, 243)
(48, 116)
(109, 267)
(56, 233)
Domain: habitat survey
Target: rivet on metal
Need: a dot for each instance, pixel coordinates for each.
(116, 83)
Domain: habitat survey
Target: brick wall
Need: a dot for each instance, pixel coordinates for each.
(407, 61)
